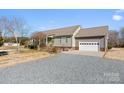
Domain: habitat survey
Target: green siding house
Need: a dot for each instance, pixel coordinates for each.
(76, 37)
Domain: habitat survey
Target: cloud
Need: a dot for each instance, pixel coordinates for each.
(119, 11)
(117, 17)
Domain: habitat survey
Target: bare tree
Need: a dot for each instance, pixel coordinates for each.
(122, 32)
(113, 38)
(18, 28)
(39, 37)
(15, 26)
(3, 26)
(122, 37)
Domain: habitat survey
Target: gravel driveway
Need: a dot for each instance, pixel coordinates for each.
(65, 68)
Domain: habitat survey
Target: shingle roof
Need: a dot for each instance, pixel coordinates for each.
(94, 31)
(62, 31)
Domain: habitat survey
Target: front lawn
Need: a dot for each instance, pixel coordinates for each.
(25, 55)
(115, 53)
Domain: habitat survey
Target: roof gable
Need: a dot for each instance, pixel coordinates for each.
(62, 31)
(94, 31)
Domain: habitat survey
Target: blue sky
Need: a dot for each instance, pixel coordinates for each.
(39, 20)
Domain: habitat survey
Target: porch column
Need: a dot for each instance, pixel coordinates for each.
(46, 41)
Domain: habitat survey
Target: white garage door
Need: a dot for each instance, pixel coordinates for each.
(89, 46)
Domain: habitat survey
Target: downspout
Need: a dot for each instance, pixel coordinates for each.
(106, 41)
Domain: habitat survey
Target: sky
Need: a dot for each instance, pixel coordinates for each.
(44, 19)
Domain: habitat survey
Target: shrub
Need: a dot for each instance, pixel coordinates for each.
(52, 50)
(109, 46)
(1, 41)
(32, 46)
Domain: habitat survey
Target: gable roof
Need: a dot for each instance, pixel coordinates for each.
(62, 31)
(94, 31)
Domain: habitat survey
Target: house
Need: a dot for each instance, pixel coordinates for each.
(11, 44)
(82, 39)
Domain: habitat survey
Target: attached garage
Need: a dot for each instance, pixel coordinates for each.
(89, 46)
(91, 39)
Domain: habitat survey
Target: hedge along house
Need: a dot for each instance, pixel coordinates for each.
(82, 39)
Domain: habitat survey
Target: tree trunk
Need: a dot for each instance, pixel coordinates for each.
(3, 43)
(3, 40)
(39, 44)
(16, 41)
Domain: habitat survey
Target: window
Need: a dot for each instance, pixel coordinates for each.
(60, 40)
(66, 39)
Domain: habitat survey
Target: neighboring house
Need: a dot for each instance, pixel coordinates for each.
(75, 37)
(10, 44)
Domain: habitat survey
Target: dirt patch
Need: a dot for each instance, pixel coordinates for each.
(25, 55)
(115, 53)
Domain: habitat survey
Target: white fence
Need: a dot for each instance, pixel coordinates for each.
(11, 44)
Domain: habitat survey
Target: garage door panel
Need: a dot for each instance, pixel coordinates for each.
(89, 46)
